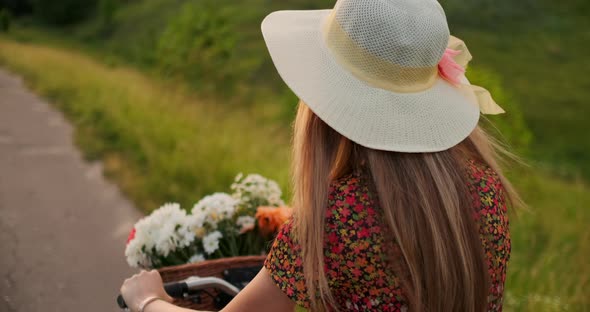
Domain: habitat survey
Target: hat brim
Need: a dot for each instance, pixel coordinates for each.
(432, 120)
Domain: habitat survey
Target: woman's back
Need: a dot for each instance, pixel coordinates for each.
(357, 247)
(382, 90)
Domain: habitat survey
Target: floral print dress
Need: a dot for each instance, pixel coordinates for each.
(354, 248)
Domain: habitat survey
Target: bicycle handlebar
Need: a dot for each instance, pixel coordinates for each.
(192, 284)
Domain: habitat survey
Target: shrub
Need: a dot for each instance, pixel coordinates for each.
(4, 20)
(16, 7)
(107, 9)
(488, 14)
(211, 45)
(62, 12)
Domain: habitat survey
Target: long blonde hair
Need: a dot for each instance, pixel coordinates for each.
(441, 265)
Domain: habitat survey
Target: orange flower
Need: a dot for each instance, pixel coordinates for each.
(271, 218)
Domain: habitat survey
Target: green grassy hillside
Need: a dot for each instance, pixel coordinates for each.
(543, 61)
(160, 143)
(538, 48)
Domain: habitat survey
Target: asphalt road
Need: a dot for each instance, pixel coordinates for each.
(62, 226)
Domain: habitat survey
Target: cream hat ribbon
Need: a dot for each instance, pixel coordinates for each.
(476, 94)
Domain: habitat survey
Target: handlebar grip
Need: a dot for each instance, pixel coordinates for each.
(121, 302)
(174, 290)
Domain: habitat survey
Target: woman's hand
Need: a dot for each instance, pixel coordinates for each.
(141, 286)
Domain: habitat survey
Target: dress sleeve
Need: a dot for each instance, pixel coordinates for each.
(495, 235)
(284, 265)
(489, 198)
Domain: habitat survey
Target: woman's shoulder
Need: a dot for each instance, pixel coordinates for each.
(347, 183)
(352, 208)
(486, 187)
(351, 191)
(480, 171)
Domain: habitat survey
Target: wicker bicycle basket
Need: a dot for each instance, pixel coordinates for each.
(216, 268)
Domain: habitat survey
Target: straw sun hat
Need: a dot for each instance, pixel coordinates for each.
(384, 73)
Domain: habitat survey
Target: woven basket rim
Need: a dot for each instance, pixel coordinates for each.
(207, 263)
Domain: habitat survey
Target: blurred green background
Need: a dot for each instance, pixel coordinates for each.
(176, 97)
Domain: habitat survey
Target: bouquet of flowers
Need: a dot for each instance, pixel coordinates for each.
(219, 225)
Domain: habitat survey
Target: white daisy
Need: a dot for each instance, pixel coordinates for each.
(211, 242)
(214, 208)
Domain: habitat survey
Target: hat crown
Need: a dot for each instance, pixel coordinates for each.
(408, 33)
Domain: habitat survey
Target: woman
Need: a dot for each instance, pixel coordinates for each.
(399, 203)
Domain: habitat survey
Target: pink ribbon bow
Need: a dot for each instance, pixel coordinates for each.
(448, 69)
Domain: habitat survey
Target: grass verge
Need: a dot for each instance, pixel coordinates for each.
(157, 141)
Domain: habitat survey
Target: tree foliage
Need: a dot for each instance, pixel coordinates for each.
(17, 7)
(213, 46)
(4, 20)
(106, 10)
(489, 14)
(62, 12)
